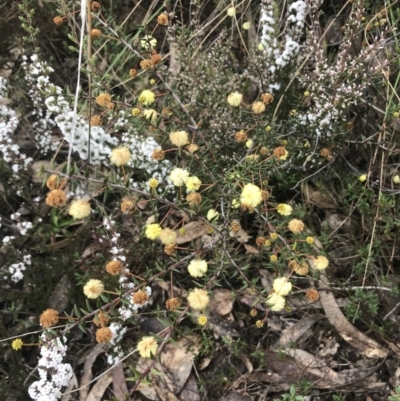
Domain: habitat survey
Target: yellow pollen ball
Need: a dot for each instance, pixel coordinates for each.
(120, 156)
(147, 347)
(179, 138)
(93, 288)
(79, 209)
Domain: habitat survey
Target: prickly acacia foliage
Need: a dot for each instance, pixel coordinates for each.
(176, 167)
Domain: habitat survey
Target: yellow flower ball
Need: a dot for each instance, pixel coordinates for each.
(235, 99)
(249, 143)
(212, 214)
(202, 320)
(197, 268)
(284, 209)
(153, 183)
(147, 347)
(167, 236)
(153, 231)
(231, 11)
(246, 25)
(148, 42)
(282, 286)
(362, 178)
(310, 240)
(135, 112)
(17, 344)
(198, 299)
(258, 107)
(193, 184)
(79, 209)
(396, 179)
(320, 263)
(150, 115)
(179, 176)
(296, 226)
(261, 47)
(251, 196)
(93, 288)
(147, 97)
(276, 302)
(120, 156)
(179, 138)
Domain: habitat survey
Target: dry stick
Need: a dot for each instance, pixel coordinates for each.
(78, 82)
(89, 55)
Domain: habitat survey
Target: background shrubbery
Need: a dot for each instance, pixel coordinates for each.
(216, 210)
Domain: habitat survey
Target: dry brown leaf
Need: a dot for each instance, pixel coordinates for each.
(175, 365)
(87, 369)
(190, 392)
(251, 249)
(99, 388)
(248, 299)
(241, 236)
(39, 166)
(318, 198)
(222, 302)
(192, 230)
(370, 348)
(293, 333)
(120, 389)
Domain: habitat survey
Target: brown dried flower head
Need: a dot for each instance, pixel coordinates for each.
(172, 304)
(101, 320)
(103, 335)
(95, 33)
(146, 64)
(264, 151)
(140, 297)
(241, 136)
(279, 152)
(155, 59)
(162, 19)
(133, 73)
(267, 98)
(56, 198)
(52, 182)
(103, 99)
(312, 294)
(349, 125)
(58, 20)
(194, 198)
(170, 249)
(95, 6)
(235, 227)
(95, 120)
(260, 241)
(158, 154)
(49, 318)
(110, 105)
(265, 194)
(325, 152)
(128, 206)
(114, 267)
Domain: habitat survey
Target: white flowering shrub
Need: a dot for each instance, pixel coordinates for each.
(193, 187)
